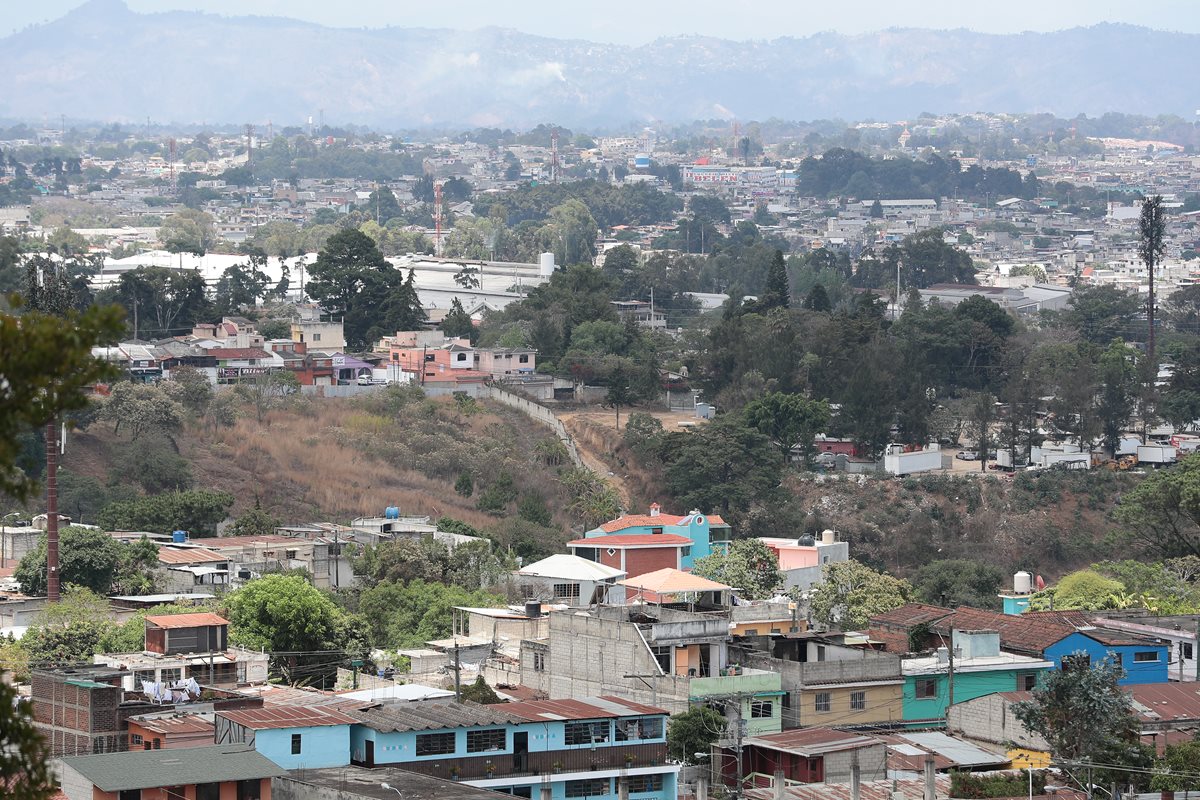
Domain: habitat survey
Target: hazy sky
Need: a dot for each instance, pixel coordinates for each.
(639, 21)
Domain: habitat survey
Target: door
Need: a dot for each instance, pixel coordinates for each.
(520, 751)
(370, 754)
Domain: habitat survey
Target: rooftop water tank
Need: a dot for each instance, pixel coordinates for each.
(806, 540)
(828, 536)
(1023, 582)
(533, 609)
(179, 537)
(546, 264)
(391, 512)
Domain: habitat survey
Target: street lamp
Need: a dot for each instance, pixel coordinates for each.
(393, 788)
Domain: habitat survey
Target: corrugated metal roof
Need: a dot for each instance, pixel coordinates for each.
(286, 717)
(812, 741)
(868, 790)
(956, 751)
(186, 620)
(1167, 701)
(174, 724)
(149, 769)
(591, 708)
(433, 716)
(189, 555)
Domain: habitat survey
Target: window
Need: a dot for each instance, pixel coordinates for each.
(289, 554)
(821, 702)
(539, 662)
(523, 359)
(762, 709)
(435, 744)
(566, 591)
(129, 794)
(1187, 650)
(1029, 681)
(135, 738)
(249, 789)
(1076, 661)
(1145, 655)
(589, 732)
(858, 701)
(158, 744)
(296, 744)
(751, 632)
(487, 741)
(645, 783)
(171, 675)
(316, 337)
(662, 654)
(208, 791)
(656, 530)
(632, 730)
(927, 688)
(594, 787)
(141, 675)
(462, 356)
(686, 551)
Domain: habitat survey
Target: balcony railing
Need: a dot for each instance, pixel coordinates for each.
(480, 766)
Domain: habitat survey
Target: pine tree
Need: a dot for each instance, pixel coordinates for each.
(817, 299)
(457, 323)
(777, 294)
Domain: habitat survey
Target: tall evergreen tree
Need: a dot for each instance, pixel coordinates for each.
(457, 323)
(777, 293)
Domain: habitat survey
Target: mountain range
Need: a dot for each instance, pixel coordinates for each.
(104, 62)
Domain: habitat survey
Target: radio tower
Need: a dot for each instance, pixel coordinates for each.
(437, 217)
(733, 150)
(174, 182)
(554, 155)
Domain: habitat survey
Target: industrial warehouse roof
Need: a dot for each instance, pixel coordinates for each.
(149, 769)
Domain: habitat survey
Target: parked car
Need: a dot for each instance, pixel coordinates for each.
(968, 455)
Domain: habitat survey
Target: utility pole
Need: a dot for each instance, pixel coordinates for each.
(457, 673)
(950, 673)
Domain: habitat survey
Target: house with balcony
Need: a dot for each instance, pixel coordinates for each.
(566, 579)
(980, 668)
(599, 747)
(801, 756)
(671, 655)
(183, 646)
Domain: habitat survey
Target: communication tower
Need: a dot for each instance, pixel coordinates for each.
(437, 217)
(554, 155)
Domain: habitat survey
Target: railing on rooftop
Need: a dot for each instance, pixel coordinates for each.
(610, 755)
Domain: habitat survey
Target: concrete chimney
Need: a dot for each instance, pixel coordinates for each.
(654, 509)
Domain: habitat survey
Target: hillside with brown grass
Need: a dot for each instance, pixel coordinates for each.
(325, 459)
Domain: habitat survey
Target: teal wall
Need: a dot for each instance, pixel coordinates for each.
(967, 686)
(320, 747)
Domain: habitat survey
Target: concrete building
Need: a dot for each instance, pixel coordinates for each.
(318, 335)
(203, 773)
(827, 683)
(294, 738)
(567, 579)
(801, 560)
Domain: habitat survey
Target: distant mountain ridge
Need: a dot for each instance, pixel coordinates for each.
(105, 62)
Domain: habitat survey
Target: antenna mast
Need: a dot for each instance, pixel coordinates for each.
(554, 155)
(437, 217)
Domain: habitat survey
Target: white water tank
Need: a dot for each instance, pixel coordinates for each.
(828, 536)
(1023, 582)
(546, 264)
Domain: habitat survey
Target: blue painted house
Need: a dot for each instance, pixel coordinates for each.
(1050, 635)
(1144, 660)
(308, 737)
(600, 748)
(641, 543)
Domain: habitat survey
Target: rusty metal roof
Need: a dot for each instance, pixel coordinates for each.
(186, 620)
(286, 717)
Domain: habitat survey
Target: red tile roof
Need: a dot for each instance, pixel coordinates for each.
(592, 708)
(637, 520)
(286, 717)
(186, 620)
(633, 540)
(907, 616)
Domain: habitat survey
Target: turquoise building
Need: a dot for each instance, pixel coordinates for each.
(704, 530)
(602, 748)
(979, 668)
(292, 737)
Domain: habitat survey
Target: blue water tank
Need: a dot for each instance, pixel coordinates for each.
(179, 536)
(392, 512)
